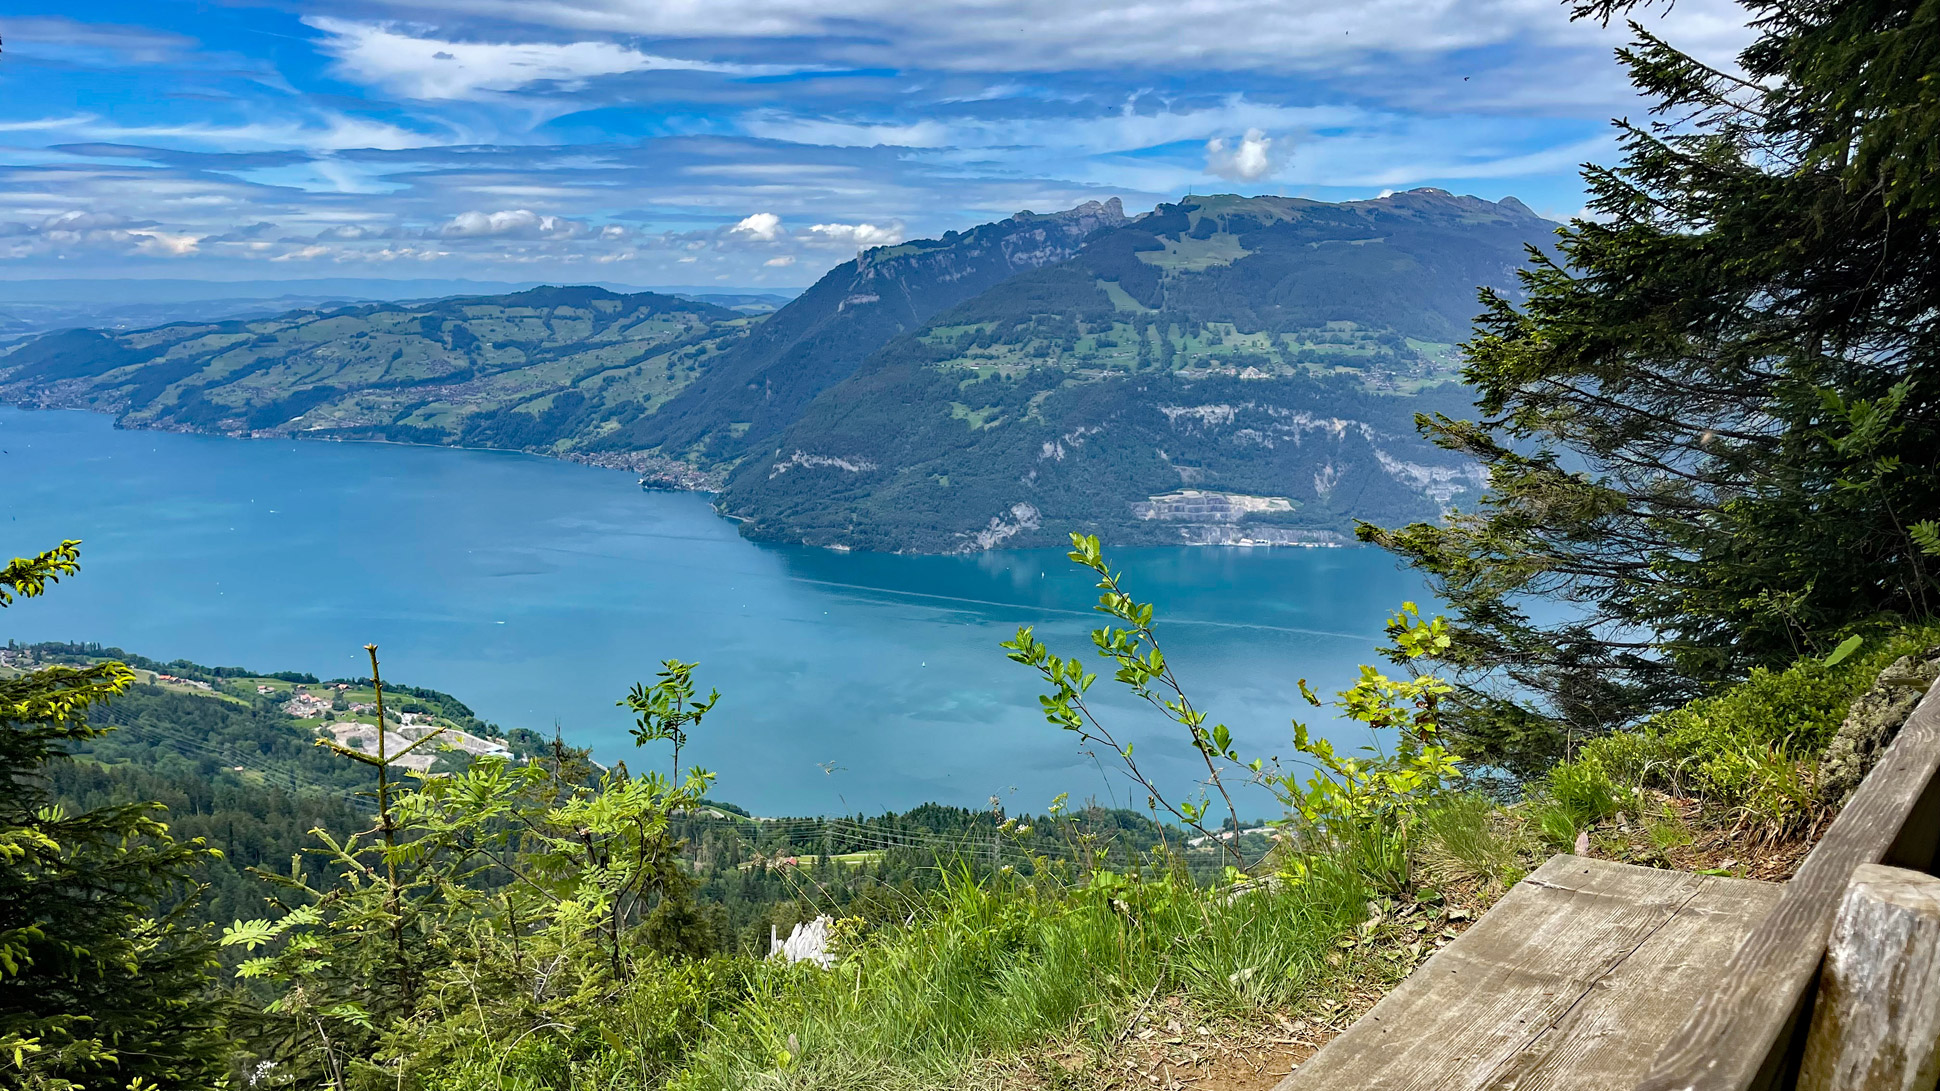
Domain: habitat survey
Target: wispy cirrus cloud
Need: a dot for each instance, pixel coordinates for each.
(423, 66)
(1035, 36)
(755, 141)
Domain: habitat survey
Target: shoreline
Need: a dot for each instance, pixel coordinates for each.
(636, 463)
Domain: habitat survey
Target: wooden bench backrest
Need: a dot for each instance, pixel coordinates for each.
(1749, 1033)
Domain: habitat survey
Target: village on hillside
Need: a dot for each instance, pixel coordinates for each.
(337, 710)
(340, 711)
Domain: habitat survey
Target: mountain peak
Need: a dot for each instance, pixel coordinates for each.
(758, 387)
(1111, 211)
(1431, 197)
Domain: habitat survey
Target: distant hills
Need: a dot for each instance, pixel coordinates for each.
(44, 306)
(549, 369)
(1221, 370)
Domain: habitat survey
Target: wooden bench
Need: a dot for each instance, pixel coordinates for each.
(1606, 977)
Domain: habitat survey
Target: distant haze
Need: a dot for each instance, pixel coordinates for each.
(175, 290)
(29, 307)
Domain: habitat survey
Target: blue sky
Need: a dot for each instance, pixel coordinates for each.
(749, 142)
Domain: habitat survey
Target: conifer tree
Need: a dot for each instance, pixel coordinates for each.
(1711, 427)
(96, 989)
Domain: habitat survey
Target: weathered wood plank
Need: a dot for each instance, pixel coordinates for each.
(1876, 1026)
(1745, 1035)
(1571, 981)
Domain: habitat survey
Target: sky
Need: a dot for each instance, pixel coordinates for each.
(751, 143)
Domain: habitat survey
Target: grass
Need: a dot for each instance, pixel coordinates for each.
(998, 970)
(1049, 980)
(1045, 980)
(1470, 838)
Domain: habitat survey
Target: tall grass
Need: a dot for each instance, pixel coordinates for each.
(1000, 969)
(1468, 837)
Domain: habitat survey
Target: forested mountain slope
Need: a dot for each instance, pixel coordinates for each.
(760, 385)
(548, 369)
(1223, 370)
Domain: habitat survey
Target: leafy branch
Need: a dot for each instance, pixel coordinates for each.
(666, 710)
(1143, 669)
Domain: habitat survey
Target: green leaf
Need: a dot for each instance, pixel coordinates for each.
(1926, 535)
(1846, 648)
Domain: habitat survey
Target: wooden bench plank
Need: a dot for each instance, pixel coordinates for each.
(1746, 1035)
(1571, 981)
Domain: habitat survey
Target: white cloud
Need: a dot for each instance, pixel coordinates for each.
(305, 253)
(79, 231)
(165, 244)
(774, 125)
(861, 236)
(67, 39)
(77, 221)
(427, 68)
(1032, 36)
(517, 223)
(761, 227)
(1127, 128)
(781, 262)
(319, 132)
(45, 124)
(1253, 158)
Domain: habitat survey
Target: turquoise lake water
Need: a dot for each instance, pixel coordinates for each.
(538, 591)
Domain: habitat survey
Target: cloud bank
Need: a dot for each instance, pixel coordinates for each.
(755, 141)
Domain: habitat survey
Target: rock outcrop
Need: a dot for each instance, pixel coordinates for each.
(1872, 723)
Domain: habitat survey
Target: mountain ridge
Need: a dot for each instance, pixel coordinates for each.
(821, 335)
(1042, 408)
(1222, 370)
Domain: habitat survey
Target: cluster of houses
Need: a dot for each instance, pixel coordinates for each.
(171, 680)
(306, 706)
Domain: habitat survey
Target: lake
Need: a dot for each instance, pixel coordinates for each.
(538, 591)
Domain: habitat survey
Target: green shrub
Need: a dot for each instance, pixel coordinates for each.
(1751, 748)
(1554, 825)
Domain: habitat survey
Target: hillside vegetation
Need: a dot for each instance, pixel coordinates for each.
(1219, 371)
(1696, 601)
(543, 923)
(550, 369)
(1223, 370)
